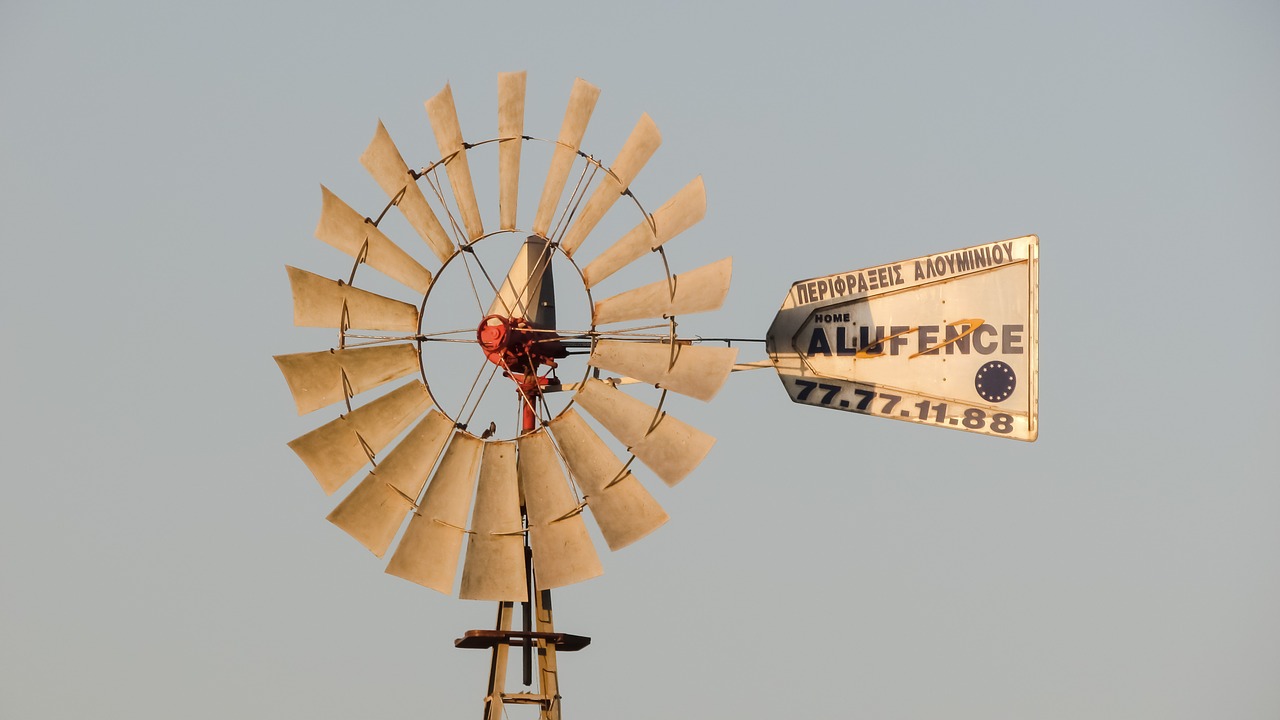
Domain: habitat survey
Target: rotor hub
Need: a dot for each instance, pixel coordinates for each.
(516, 346)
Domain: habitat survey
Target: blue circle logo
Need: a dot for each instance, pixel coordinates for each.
(995, 381)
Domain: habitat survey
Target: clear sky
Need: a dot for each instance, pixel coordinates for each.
(164, 555)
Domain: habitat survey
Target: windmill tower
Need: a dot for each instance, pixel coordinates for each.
(878, 341)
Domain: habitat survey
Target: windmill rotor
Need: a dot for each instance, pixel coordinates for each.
(461, 477)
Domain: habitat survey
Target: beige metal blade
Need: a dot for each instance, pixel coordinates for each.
(681, 212)
(336, 450)
(692, 370)
(444, 122)
(562, 549)
(623, 509)
(374, 510)
(511, 129)
(670, 448)
(383, 161)
(695, 291)
(349, 231)
(640, 146)
(317, 379)
(321, 302)
(582, 100)
(494, 567)
(429, 551)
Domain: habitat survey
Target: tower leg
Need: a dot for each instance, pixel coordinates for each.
(548, 678)
(498, 667)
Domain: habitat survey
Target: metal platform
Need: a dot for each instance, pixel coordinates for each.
(486, 639)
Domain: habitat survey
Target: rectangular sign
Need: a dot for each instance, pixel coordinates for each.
(947, 340)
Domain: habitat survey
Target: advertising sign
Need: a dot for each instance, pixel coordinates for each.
(948, 339)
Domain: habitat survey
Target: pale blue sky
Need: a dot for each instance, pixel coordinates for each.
(163, 554)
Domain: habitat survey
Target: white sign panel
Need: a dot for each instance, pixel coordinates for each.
(947, 340)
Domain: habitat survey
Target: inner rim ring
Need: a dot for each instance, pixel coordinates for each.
(422, 308)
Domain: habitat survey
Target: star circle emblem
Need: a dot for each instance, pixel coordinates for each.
(995, 381)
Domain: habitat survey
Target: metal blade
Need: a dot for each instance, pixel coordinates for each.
(695, 291)
(336, 450)
(529, 289)
(689, 370)
(582, 100)
(668, 447)
(444, 122)
(383, 161)
(511, 129)
(494, 568)
(681, 212)
(317, 379)
(640, 146)
(429, 551)
(562, 549)
(321, 302)
(375, 509)
(623, 509)
(349, 231)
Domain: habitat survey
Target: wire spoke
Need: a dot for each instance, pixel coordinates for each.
(489, 279)
(380, 338)
(432, 175)
(471, 279)
(375, 340)
(483, 390)
(470, 392)
(459, 331)
(576, 197)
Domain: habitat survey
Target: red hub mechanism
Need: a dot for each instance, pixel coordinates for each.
(520, 349)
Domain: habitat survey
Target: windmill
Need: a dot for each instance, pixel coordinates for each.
(502, 460)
